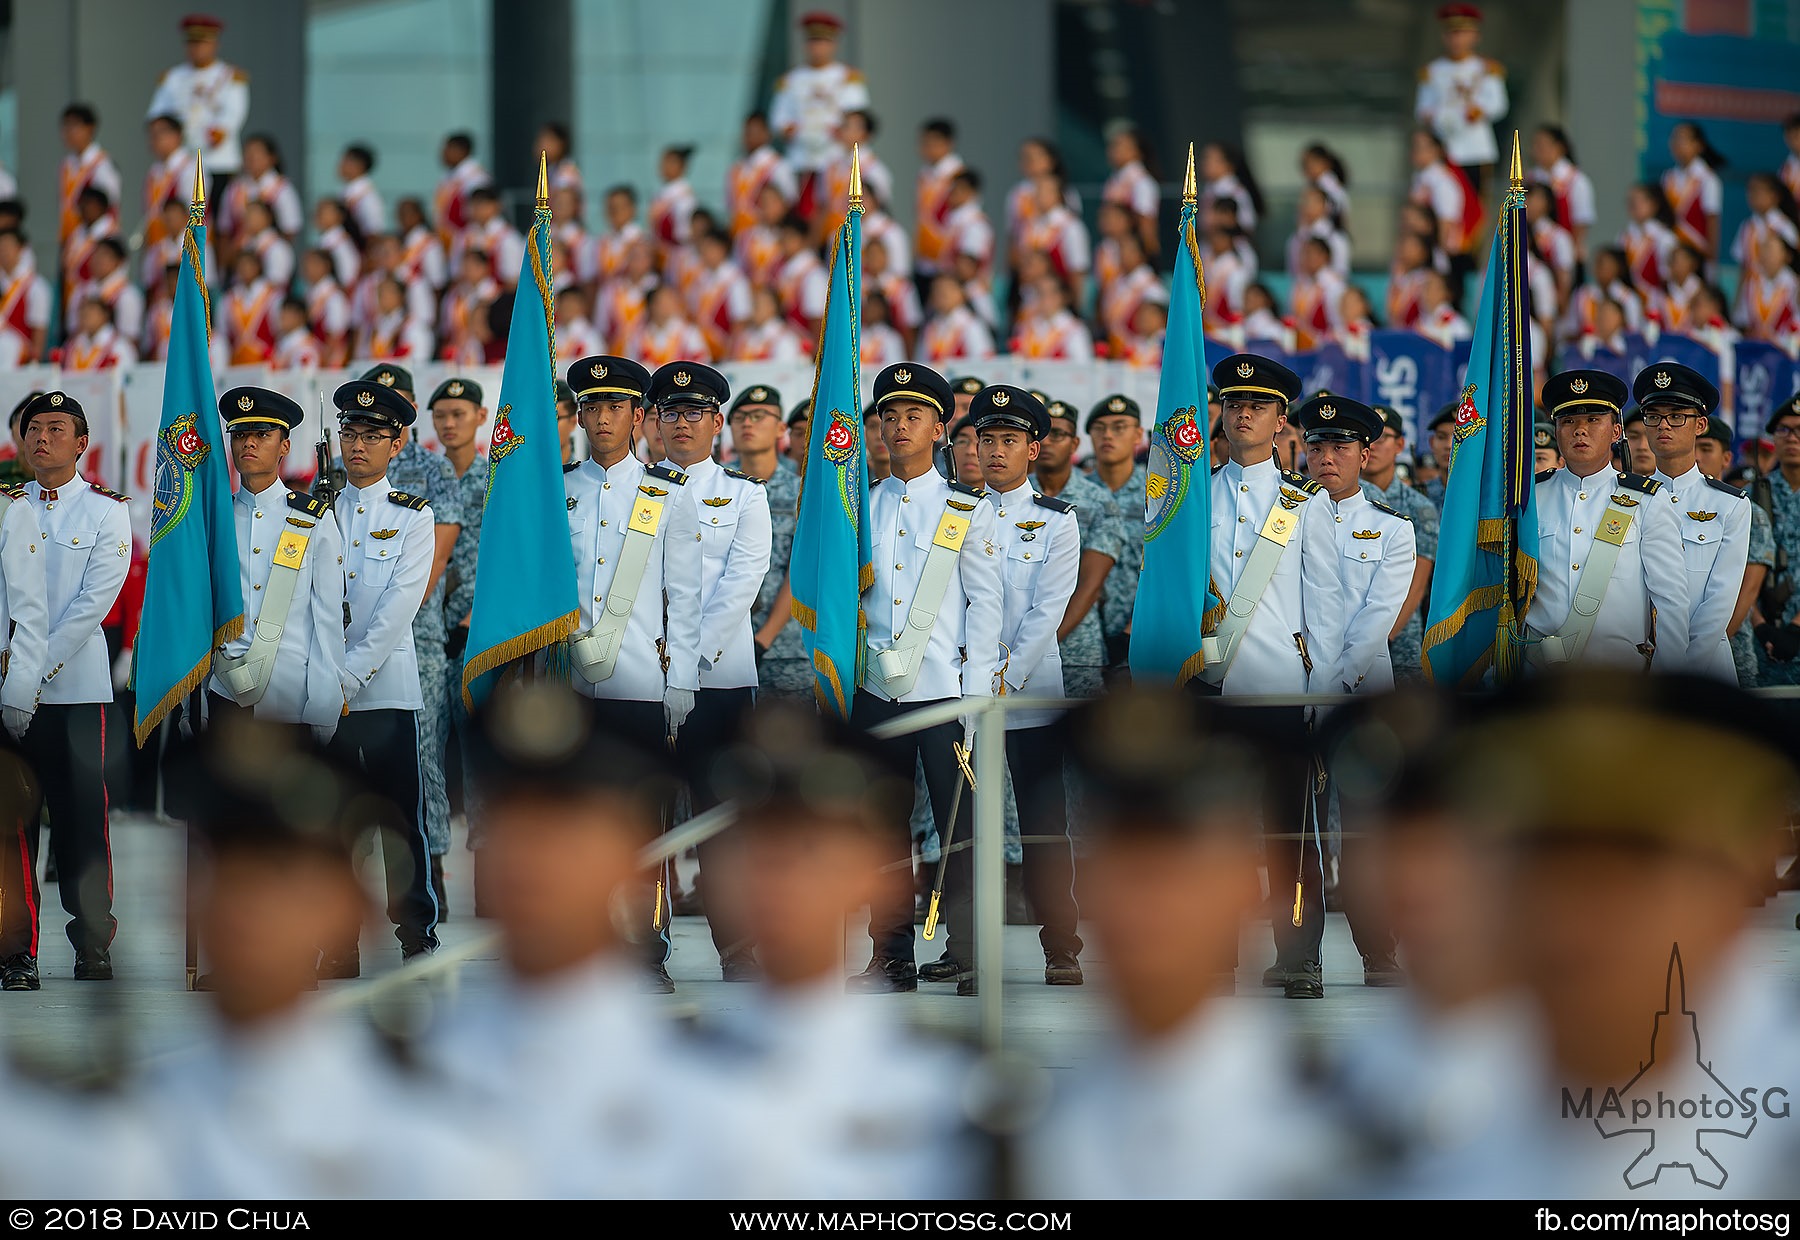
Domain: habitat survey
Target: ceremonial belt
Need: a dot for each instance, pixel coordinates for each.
(1220, 648)
(595, 653)
(247, 676)
(1566, 644)
(895, 670)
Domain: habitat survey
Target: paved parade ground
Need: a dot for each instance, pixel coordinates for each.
(147, 1011)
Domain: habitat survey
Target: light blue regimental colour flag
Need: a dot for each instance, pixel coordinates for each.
(193, 596)
(1176, 599)
(525, 581)
(1486, 571)
(832, 564)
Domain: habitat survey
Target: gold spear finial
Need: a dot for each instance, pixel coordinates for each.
(856, 194)
(1189, 189)
(1518, 176)
(543, 197)
(199, 181)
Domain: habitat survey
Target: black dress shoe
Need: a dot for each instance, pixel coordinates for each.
(93, 964)
(438, 889)
(334, 966)
(19, 972)
(656, 981)
(1276, 976)
(966, 987)
(739, 967)
(883, 977)
(1383, 970)
(1062, 969)
(412, 951)
(944, 969)
(1304, 982)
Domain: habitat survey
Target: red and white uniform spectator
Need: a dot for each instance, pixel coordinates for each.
(1751, 232)
(772, 341)
(1060, 235)
(422, 258)
(1696, 197)
(170, 179)
(809, 105)
(1446, 190)
(934, 250)
(1131, 186)
(881, 347)
(882, 227)
(121, 297)
(450, 200)
(657, 344)
(672, 217)
(1647, 245)
(622, 302)
(1768, 306)
(249, 311)
(1574, 192)
(346, 259)
(577, 338)
(720, 301)
(24, 312)
(745, 179)
(271, 187)
(363, 201)
(803, 284)
(1061, 336)
(613, 247)
(1315, 308)
(1120, 299)
(1445, 325)
(1669, 304)
(298, 350)
(276, 254)
(398, 336)
(103, 350)
(957, 336)
(328, 315)
(93, 167)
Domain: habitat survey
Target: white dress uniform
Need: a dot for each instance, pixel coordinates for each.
(1461, 100)
(1714, 520)
(730, 512)
(1651, 571)
(307, 684)
(212, 100)
(24, 607)
(388, 544)
(813, 101)
(86, 533)
(1306, 594)
(1040, 545)
(1376, 553)
(600, 506)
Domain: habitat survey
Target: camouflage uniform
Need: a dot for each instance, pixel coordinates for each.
(1743, 642)
(1124, 508)
(418, 472)
(459, 601)
(14, 471)
(784, 671)
(1407, 649)
(1785, 526)
(1084, 650)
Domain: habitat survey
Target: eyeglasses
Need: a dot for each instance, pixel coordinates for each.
(350, 438)
(750, 417)
(1060, 435)
(689, 413)
(1668, 419)
(565, 417)
(1785, 431)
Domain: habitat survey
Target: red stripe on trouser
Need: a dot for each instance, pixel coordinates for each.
(106, 813)
(28, 880)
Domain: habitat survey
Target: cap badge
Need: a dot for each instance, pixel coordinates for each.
(1000, 400)
(365, 399)
(56, 398)
(385, 378)
(683, 378)
(455, 387)
(903, 376)
(1116, 404)
(1578, 386)
(1328, 411)
(759, 394)
(597, 370)
(246, 403)
(1663, 379)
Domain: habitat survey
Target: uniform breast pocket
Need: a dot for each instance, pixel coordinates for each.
(1023, 560)
(1699, 546)
(76, 544)
(1361, 561)
(718, 526)
(378, 566)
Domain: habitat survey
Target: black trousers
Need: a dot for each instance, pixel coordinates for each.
(709, 728)
(1291, 834)
(651, 904)
(66, 751)
(1368, 928)
(891, 920)
(384, 746)
(1034, 756)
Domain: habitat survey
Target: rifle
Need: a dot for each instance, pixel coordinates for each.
(328, 481)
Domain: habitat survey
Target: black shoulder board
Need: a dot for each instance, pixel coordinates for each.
(1638, 482)
(741, 476)
(311, 505)
(1052, 503)
(1300, 480)
(966, 489)
(16, 491)
(1726, 487)
(1218, 467)
(414, 502)
(112, 495)
(1544, 476)
(1375, 503)
(571, 467)
(667, 474)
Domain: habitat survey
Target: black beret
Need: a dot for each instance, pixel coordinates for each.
(254, 406)
(1002, 405)
(1063, 409)
(1116, 405)
(801, 410)
(1446, 414)
(910, 380)
(1212, 393)
(1631, 415)
(1789, 408)
(968, 385)
(756, 394)
(249, 785)
(1584, 391)
(787, 765)
(362, 401)
(1672, 381)
(608, 376)
(1391, 419)
(455, 388)
(687, 383)
(541, 738)
(964, 423)
(50, 402)
(1717, 430)
(389, 375)
(1328, 416)
(1258, 376)
(564, 393)
(1543, 435)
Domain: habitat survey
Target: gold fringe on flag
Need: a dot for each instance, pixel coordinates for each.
(526, 643)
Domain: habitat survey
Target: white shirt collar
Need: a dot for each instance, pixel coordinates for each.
(1576, 480)
(1237, 472)
(626, 466)
(925, 484)
(248, 497)
(1021, 495)
(699, 469)
(379, 485)
(1692, 477)
(1349, 502)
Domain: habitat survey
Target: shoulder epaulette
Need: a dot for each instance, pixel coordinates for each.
(112, 495)
(853, 75)
(1715, 484)
(414, 502)
(1300, 480)
(1218, 467)
(1638, 482)
(311, 505)
(741, 476)
(15, 491)
(1545, 476)
(966, 489)
(1392, 512)
(667, 474)
(239, 75)
(1052, 503)
(571, 467)
(1495, 66)
(1425, 71)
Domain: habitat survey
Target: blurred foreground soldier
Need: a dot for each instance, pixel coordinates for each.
(566, 1070)
(387, 542)
(1441, 434)
(1116, 426)
(25, 619)
(1195, 1095)
(1669, 1058)
(283, 1099)
(803, 1075)
(1713, 516)
(288, 666)
(1544, 454)
(1612, 583)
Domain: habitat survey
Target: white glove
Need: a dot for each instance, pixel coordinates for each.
(677, 703)
(968, 722)
(323, 732)
(17, 721)
(121, 671)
